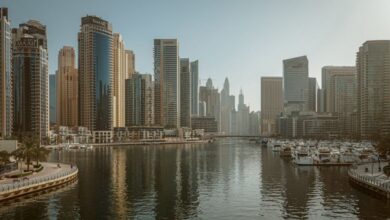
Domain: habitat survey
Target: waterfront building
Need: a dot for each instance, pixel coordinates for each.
(67, 88)
(328, 73)
(95, 74)
(185, 93)
(6, 83)
(167, 83)
(296, 82)
(139, 100)
(312, 99)
(194, 87)
(138, 133)
(373, 86)
(118, 84)
(207, 123)
(53, 99)
(271, 104)
(211, 97)
(31, 80)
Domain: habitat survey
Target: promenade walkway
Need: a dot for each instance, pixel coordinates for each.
(51, 175)
(371, 177)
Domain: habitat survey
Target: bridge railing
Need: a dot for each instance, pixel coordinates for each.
(372, 181)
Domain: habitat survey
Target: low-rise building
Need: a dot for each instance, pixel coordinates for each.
(207, 123)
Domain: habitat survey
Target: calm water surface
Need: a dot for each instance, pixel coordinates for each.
(228, 179)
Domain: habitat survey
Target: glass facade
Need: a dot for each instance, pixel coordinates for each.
(102, 72)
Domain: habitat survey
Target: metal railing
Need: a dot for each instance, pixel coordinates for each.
(24, 181)
(372, 181)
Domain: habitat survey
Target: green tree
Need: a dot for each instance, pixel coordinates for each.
(40, 153)
(26, 150)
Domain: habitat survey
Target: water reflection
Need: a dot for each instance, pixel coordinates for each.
(228, 179)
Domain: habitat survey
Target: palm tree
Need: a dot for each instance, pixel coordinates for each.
(4, 157)
(26, 150)
(40, 153)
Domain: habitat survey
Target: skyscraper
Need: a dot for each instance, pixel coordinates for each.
(185, 93)
(345, 103)
(167, 83)
(312, 94)
(194, 87)
(296, 82)
(6, 97)
(226, 107)
(130, 63)
(53, 99)
(119, 76)
(373, 70)
(271, 104)
(31, 79)
(328, 73)
(242, 116)
(95, 73)
(211, 97)
(67, 88)
(139, 100)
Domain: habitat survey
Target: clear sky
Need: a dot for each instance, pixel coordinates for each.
(239, 39)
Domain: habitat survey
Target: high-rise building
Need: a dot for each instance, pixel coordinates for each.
(312, 94)
(373, 74)
(320, 100)
(67, 88)
(185, 92)
(139, 100)
(345, 103)
(130, 63)
(242, 116)
(118, 85)
(6, 97)
(53, 99)
(31, 80)
(227, 105)
(271, 104)
(95, 73)
(167, 83)
(211, 97)
(328, 73)
(296, 82)
(194, 87)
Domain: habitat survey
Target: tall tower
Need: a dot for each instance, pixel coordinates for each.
(185, 93)
(119, 76)
(296, 82)
(226, 107)
(6, 97)
(195, 87)
(31, 79)
(67, 88)
(271, 104)
(373, 85)
(167, 83)
(312, 94)
(95, 73)
(130, 63)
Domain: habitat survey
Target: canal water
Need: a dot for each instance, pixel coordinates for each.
(227, 179)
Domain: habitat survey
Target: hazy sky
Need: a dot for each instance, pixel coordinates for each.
(239, 39)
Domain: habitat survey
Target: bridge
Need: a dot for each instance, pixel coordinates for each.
(232, 136)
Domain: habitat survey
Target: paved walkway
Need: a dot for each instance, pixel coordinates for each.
(49, 169)
(370, 172)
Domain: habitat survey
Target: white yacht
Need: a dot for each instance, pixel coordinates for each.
(302, 156)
